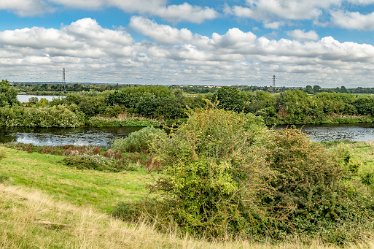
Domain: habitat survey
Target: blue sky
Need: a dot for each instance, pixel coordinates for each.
(330, 42)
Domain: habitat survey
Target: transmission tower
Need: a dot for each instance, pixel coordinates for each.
(64, 78)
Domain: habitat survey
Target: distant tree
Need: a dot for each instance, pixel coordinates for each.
(316, 88)
(309, 89)
(343, 89)
(230, 98)
(8, 94)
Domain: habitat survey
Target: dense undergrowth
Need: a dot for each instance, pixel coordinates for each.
(224, 175)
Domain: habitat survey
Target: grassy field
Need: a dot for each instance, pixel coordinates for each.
(91, 188)
(44, 204)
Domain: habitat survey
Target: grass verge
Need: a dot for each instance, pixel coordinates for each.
(30, 219)
(102, 190)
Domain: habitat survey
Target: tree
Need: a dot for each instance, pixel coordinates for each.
(8, 94)
(230, 99)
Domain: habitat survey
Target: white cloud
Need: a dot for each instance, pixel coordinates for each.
(93, 53)
(160, 8)
(160, 33)
(303, 35)
(24, 7)
(361, 2)
(283, 9)
(353, 20)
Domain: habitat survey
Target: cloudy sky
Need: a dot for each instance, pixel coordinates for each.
(225, 42)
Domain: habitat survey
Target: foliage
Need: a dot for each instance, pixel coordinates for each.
(91, 103)
(224, 174)
(230, 99)
(95, 162)
(121, 122)
(139, 141)
(306, 194)
(8, 94)
(56, 116)
(150, 101)
(207, 164)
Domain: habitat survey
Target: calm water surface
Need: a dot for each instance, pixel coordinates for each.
(359, 133)
(24, 98)
(105, 136)
(102, 137)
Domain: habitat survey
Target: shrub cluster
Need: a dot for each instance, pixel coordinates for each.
(95, 162)
(116, 122)
(56, 116)
(139, 141)
(224, 174)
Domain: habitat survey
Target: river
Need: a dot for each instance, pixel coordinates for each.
(24, 98)
(105, 136)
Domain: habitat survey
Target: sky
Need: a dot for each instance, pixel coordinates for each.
(207, 42)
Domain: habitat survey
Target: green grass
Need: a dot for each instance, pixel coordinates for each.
(115, 122)
(101, 190)
(361, 154)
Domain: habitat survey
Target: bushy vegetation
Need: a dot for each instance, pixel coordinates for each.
(224, 174)
(8, 94)
(94, 162)
(298, 107)
(150, 105)
(122, 122)
(306, 194)
(139, 141)
(56, 116)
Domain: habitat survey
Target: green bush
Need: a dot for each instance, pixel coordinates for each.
(56, 116)
(208, 165)
(95, 162)
(139, 141)
(225, 175)
(305, 194)
(115, 122)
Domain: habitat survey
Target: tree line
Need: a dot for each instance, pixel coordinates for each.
(170, 103)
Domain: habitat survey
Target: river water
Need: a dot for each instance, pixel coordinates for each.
(102, 137)
(24, 98)
(105, 136)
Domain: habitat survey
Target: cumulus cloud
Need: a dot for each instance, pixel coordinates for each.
(24, 7)
(361, 2)
(93, 53)
(160, 8)
(275, 13)
(353, 20)
(268, 10)
(160, 33)
(303, 35)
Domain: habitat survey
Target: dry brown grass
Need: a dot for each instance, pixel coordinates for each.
(30, 219)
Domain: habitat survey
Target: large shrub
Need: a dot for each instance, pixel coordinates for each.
(224, 174)
(139, 141)
(209, 164)
(305, 194)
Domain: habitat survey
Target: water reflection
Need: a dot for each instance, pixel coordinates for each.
(24, 98)
(60, 137)
(104, 137)
(360, 133)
